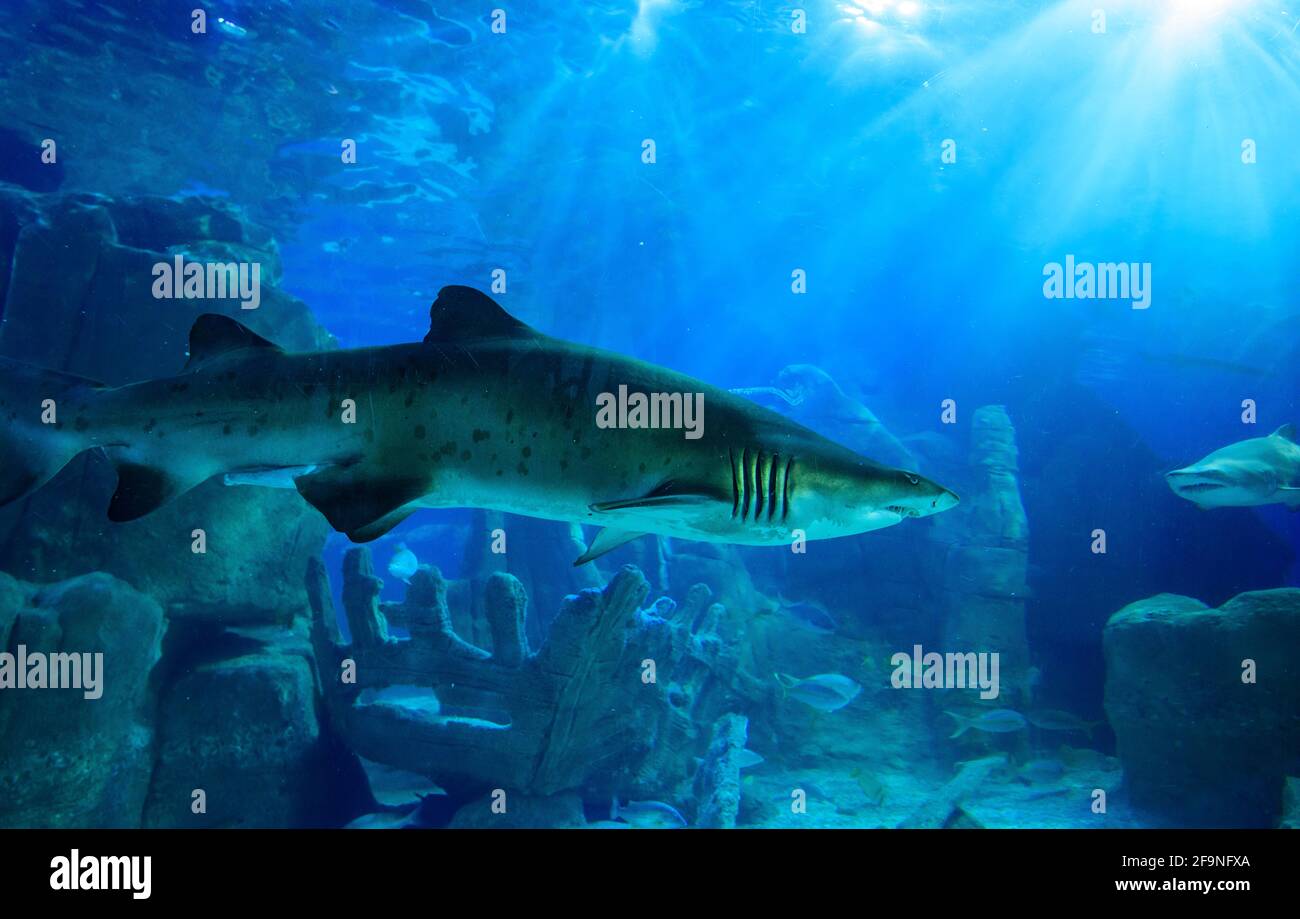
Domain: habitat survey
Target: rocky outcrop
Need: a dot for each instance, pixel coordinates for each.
(612, 702)
(1203, 702)
(240, 745)
(504, 811)
(942, 808)
(67, 760)
(986, 571)
(539, 553)
(77, 271)
(717, 783)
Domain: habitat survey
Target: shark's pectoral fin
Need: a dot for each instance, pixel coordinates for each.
(661, 502)
(142, 489)
(669, 496)
(360, 501)
(607, 540)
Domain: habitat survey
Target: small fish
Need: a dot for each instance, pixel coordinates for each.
(1041, 771)
(871, 786)
(826, 692)
(403, 564)
(647, 814)
(1053, 720)
(814, 615)
(748, 758)
(998, 721)
(231, 28)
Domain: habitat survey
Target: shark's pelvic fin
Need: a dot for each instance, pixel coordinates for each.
(1286, 431)
(361, 501)
(463, 313)
(142, 489)
(607, 540)
(373, 531)
(214, 335)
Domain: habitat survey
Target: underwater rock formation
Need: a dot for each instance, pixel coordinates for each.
(539, 553)
(521, 812)
(76, 276)
(67, 760)
(717, 783)
(943, 807)
(985, 609)
(243, 730)
(1199, 699)
(611, 702)
(1290, 804)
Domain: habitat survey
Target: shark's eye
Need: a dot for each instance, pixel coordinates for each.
(914, 479)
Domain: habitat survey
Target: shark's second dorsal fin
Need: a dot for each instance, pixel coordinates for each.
(213, 335)
(462, 313)
(1286, 431)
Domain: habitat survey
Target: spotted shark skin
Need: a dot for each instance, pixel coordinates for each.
(484, 412)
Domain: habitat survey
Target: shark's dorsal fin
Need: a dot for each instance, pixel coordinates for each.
(462, 313)
(1287, 431)
(213, 335)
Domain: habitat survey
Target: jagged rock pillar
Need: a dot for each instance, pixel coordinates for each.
(717, 784)
(987, 570)
(539, 553)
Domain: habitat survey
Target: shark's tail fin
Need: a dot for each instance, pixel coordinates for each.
(38, 433)
(963, 724)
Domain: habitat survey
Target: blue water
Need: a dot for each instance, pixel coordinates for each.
(919, 163)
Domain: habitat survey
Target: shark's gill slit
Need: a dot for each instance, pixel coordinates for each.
(786, 489)
(735, 483)
(747, 486)
(758, 486)
(771, 486)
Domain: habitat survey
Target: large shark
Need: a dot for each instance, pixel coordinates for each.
(1261, 470)
(484, 412)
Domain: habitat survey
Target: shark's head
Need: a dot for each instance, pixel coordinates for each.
(854, 495)
(1224, 481)
(1261, 470)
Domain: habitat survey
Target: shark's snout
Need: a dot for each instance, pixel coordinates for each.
(1191, 479)
(932, 499)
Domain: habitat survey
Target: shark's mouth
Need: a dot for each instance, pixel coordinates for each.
(1198, 486)
(903, 511)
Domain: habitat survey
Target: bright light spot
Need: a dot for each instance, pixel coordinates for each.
(909, 8)
(1186, 16)
(645, 27)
